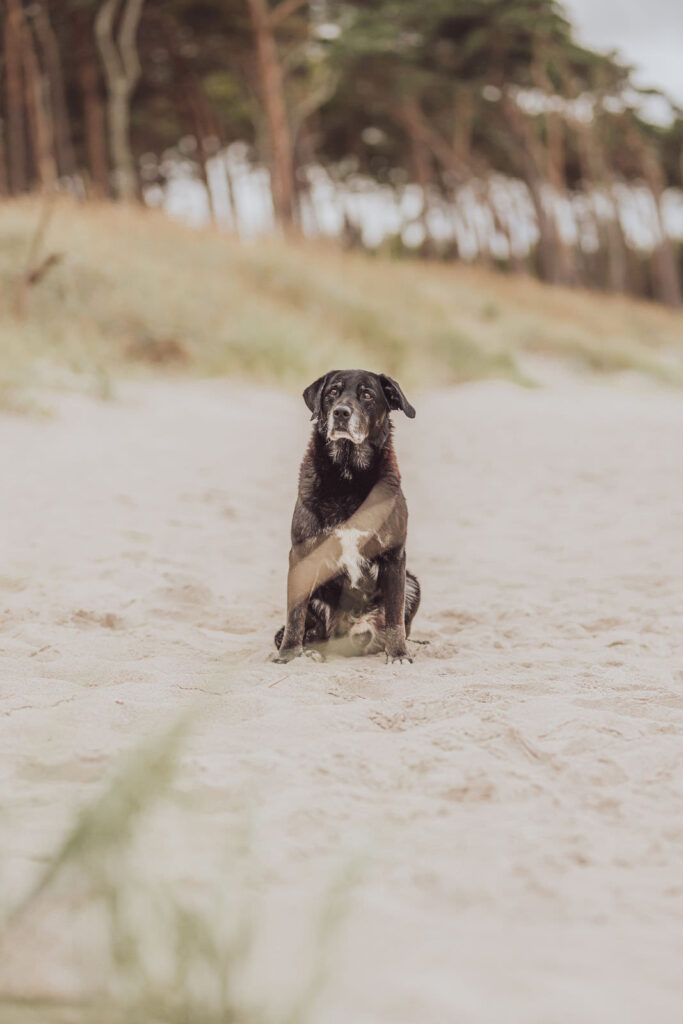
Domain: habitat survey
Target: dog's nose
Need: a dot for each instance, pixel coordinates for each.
(342, 413)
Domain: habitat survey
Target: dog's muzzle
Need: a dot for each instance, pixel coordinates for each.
(343, 425)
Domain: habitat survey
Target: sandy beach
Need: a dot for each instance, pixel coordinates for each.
(511, 803)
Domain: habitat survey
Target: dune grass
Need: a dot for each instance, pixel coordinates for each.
(139, 939)
(134, 292)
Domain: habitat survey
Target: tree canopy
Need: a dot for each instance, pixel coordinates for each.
(440, 94)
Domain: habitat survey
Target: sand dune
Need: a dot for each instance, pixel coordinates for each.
(514, 798)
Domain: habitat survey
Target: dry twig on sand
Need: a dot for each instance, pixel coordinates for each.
(35, 269)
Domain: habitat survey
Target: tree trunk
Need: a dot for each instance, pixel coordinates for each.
(203, 131)
(189, 98)
(528, 153)
(53, 65)
(504, 228)
(463, 110)
(39, 120)
(270, 77)
(422, 166)
(93, 112)
(596, 171)
(125, 177)
(665, 280)
(565, 261)
(16, 139)
(3, 167)
(122, 72)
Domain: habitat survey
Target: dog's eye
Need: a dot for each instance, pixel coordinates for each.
(334, 391)
(366, 395)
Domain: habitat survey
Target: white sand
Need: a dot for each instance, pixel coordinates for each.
(514, 799)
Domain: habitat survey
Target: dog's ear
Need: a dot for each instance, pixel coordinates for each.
(395, 397)
(313, 394)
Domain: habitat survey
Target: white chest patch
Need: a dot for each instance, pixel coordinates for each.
(351, 560)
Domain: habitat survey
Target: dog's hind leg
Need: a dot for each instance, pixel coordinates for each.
(319, 616)
(365, 632)
(412, 602)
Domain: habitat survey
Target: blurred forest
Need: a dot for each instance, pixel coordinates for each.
(490, 132)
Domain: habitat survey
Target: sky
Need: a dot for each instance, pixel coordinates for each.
(647, 34)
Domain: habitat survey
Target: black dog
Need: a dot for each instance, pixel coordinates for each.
(348, 589)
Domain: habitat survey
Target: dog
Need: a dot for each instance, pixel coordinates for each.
(348, 590)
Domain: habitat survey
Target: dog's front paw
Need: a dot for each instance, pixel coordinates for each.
(400, 656)
(288, 654)
(314, 654)
(395, 645)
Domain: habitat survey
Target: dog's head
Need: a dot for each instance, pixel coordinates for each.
(354, 405)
